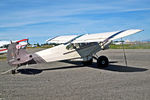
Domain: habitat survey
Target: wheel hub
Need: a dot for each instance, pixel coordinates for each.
(103, 62)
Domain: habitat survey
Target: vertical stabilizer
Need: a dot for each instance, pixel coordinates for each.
(17, 56)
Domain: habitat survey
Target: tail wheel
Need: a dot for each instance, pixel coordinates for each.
(13, 71)
(89, 62)
(102, 62)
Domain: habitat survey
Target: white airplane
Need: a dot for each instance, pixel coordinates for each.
(4, 45)
(71, 47)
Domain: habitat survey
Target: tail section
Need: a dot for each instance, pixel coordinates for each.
(17, 56)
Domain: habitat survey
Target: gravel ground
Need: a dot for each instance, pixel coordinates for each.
(66, 81)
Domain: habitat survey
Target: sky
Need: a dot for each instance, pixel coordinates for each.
(39, 20)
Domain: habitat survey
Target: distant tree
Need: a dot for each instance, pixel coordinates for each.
(38, 44)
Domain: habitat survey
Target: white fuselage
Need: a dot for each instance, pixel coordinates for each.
(60, 52)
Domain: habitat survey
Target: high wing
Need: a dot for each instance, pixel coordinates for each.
(98, 37)
(61, 39)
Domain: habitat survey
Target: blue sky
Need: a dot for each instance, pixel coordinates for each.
(39, 20)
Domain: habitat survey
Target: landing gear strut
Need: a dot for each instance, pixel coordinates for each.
(102, 62)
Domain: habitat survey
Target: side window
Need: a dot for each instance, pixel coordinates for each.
(69, 47)
(78, 45)
(5, 46)
(72, 46)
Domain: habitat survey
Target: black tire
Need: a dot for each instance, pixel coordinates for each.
(102, 62)
(89, 62)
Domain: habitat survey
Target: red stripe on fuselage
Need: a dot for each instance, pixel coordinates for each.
(3, 49)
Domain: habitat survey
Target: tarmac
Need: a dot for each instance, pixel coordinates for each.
(72, 81)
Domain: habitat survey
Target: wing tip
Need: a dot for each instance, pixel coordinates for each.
(142, 29)
(138, 30)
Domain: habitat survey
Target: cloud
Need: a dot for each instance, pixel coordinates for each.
(42, 16)
(63, 16)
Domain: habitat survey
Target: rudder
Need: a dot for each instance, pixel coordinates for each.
(17, 56)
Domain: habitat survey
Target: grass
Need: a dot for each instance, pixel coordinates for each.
(3, 57)
(131, 46)
(44, 46)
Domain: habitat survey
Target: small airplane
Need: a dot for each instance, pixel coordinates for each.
(82, 47)
(4, 45)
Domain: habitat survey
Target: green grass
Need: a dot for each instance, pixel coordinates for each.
(3, 57)
(131, 46)
(44, 46)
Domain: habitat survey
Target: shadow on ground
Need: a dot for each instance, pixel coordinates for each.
(115, 68)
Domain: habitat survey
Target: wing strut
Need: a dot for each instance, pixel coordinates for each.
(125, 57)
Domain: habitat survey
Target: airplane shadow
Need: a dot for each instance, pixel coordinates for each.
(120, 68)
(114, 68)
(32, 71)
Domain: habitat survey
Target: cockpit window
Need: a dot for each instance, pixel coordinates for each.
(79, 45)
(4, 46)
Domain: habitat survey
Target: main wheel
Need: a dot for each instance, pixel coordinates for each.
(89, 62)
(102, 62)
